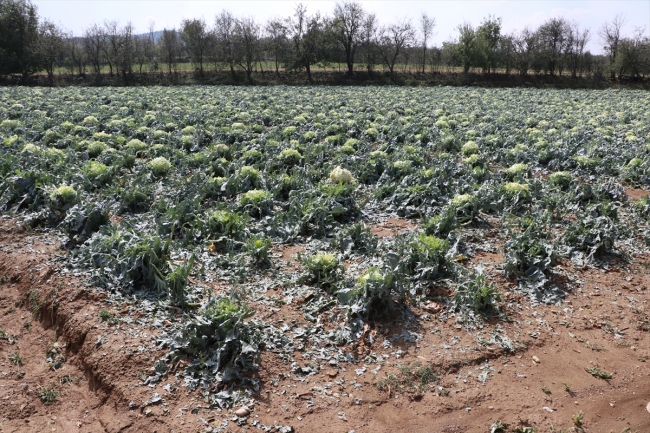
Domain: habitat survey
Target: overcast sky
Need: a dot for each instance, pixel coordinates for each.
(77, 15)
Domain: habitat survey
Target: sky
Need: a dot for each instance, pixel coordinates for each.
(77, 15)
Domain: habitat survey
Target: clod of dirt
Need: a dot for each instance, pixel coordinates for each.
(332, 373)
(242, 412)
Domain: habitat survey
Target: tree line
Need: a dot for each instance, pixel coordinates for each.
(350, 36)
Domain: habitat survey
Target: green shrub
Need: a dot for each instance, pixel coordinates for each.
(341, 175)
(96, 148)
(475, 296)
(223, 222)
(372, 133)
(96, 170)
(160, 166)
(323, 268)
(469, 148)
(516, 171)
(259, 248)
(64, 194)
(290, 156)
(136, 145)
(560, 179)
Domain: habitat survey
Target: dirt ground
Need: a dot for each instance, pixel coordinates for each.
(96, 365)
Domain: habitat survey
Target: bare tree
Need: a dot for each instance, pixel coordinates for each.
(347, 26)
(110, 45)
(307, 35)
(150, 47)
(393, 40)
(427, 24)
(224, 30)
(196, 37)
(247, 44)
(170, 48)
(610, 35)
(577, 39)
(51, 47)
(74, 54)
(94, 41)
(277, 31)
(368, 39)
(525, 45)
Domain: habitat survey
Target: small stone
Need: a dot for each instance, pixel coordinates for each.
(648, 407)
(242, 412)
(535, 360)
(633, 347)
(336, 395)
(332, 373)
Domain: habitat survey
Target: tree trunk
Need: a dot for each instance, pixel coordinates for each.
(232, 71)
(309, 77)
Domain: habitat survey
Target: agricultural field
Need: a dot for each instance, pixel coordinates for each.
(324, 259)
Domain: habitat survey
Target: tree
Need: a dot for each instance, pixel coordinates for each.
(488, 36)
(368, 37)
(466, 46)
(278, 40)
(19, 33)
(633, 58)
(170, 48)
(575, 47)
(224, 30)
(347, 26)
(307, 35)
(51, 47)
(94, 41)
(247, 44)
(610, 35)
(525, 46)
(393, 40)
(195, 35)
(553, 37)
(74, 54)
(427, 25)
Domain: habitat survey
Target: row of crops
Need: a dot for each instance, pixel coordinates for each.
(163, 191)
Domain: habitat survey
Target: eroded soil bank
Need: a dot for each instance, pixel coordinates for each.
(70, 361)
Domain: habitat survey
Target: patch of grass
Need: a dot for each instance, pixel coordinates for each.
(48, 394)
(16, 359)
(412, 377)
(107, 316)
(597, 372)
(66, 379)
(498, 427)
(34, 302)
(577, 421)
(27, 326)
(545, 389)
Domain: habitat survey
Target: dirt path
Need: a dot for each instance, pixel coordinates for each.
(604, 324)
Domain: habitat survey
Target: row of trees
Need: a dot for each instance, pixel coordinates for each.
(350, 36)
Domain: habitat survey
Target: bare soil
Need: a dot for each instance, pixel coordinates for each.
(603, 323)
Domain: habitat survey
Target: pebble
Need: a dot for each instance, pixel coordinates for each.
(332, 373)
(242, 412)
(535, 360)
(648, 407)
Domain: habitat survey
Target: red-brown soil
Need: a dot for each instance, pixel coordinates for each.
(603, 323)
